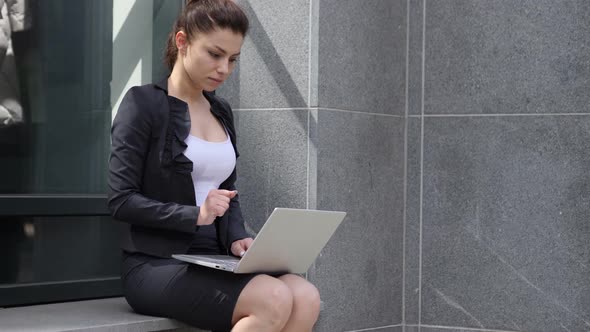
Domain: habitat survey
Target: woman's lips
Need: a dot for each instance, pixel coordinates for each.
(215, 80)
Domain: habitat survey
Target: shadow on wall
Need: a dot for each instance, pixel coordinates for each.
(273, 61)
(276, 175)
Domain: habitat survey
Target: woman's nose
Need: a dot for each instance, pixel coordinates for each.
(223, 67)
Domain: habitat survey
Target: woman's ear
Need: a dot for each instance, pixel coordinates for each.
(181, 42)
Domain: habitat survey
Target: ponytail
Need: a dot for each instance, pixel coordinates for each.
(204, 16)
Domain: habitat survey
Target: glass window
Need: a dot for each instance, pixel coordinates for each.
(50, 249)
(63, 73)
(64, 68)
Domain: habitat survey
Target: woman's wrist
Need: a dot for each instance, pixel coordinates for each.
(200, 217)
(203, 218)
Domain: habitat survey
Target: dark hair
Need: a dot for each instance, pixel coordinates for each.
(203, 16)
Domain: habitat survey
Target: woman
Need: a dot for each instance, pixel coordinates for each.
(171, 178)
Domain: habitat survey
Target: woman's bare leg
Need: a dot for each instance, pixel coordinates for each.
(306, 304)
(265, 304)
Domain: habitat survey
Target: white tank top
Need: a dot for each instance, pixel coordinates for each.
(213, 163)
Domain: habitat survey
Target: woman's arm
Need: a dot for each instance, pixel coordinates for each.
(130, 135)
(235, 220)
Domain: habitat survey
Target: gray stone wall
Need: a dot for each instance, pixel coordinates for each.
(497, 229)
(360, 151)
(320, 103)
(454, 134)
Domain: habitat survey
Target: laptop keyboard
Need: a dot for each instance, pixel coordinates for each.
(230, 263)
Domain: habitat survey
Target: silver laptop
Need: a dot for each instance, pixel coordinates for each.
(288, 242)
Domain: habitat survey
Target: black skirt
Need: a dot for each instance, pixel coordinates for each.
(198, 296)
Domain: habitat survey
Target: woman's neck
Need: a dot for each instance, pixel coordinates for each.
(181, 86)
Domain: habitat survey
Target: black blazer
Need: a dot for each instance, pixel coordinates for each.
(150, 184)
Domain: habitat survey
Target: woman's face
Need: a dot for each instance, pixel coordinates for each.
(209, 58)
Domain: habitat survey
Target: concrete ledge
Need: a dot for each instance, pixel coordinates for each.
(104, 315)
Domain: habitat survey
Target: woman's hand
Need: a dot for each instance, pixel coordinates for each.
(239, 247)
(215, 205)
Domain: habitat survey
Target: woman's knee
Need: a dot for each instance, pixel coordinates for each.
(267, 298)
(305, 295)
(278, 299)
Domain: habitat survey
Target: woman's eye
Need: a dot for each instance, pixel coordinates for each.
(214, 55)
(233, 60)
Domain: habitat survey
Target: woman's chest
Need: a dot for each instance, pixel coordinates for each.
(207, 126)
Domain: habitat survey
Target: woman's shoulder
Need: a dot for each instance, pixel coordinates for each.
(147, 98)
(145, 94)
(219, 104)
(143, 103)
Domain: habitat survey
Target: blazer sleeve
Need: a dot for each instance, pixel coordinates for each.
(236, 228)
(130, 139)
